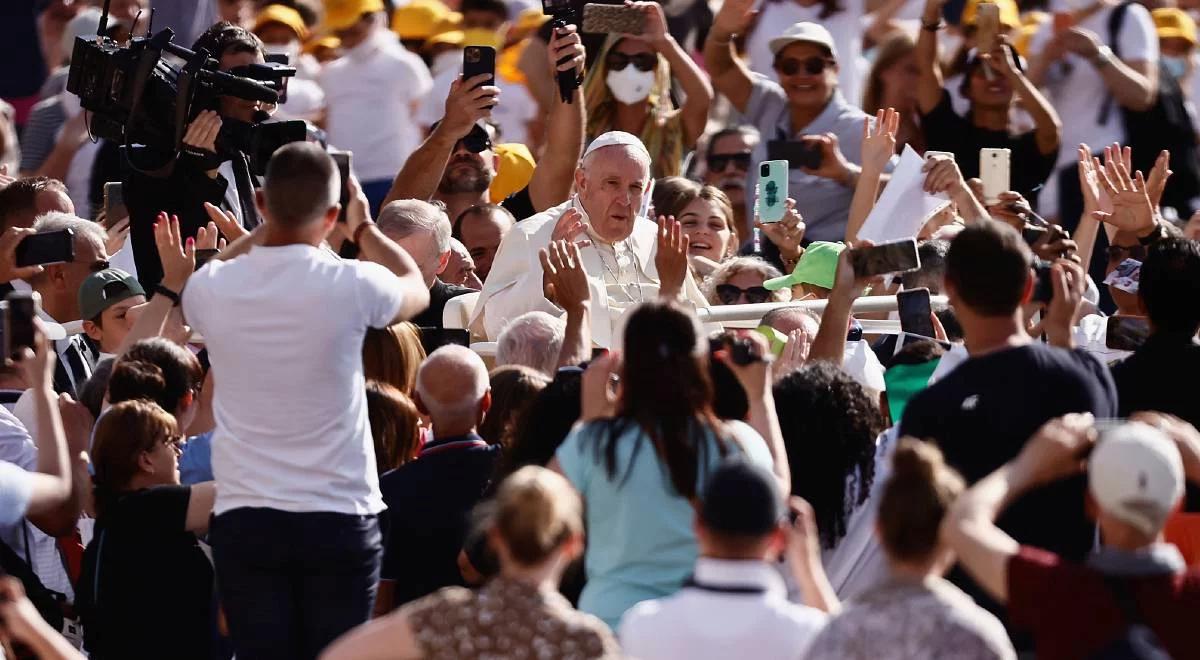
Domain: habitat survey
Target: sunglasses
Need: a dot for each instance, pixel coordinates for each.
(476, 141)
(616, 61)
(718, 162)
(729, 294)
(790, 66)
(1120, 253)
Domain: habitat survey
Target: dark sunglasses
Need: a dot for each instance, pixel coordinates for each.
(718, 162)
(477, 141)
(729, 294)
(790, 66)
(1120, 253)
(616, 61)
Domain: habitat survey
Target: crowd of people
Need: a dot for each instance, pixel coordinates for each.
(516, 364)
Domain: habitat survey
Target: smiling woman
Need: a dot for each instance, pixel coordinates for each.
(739, 281)
(707, 219)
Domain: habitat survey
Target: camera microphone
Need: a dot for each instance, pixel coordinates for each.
(243, 88)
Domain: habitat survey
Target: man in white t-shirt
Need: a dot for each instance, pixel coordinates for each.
(295, 539)
(372, 93)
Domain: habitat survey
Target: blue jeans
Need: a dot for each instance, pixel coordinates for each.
(291, 583)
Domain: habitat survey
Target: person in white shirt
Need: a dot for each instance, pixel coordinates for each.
(295, 540)
(735, 604)
(373, 93)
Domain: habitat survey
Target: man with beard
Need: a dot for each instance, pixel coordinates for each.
(456, 163)
(726, 165)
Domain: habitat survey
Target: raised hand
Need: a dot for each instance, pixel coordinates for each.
(118, 233)
(879, 141)
(1132, 210)
(1157, 182)
(1069, 281)
(671, 259)
(655, 32)
(565, 50)
(226, 222)
(1089, 180)
(1059, 449)
(943, 176)
(834, 165)
(38, 362)
(795, 353)
(786, 234)
(468, 102)
(202, 132)
(568, 226)
(598, 398)
(178, 256)
(734, 17)
(565, 277)
(209, 238)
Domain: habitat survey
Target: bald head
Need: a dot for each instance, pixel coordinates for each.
(787, 319)
(452, 387)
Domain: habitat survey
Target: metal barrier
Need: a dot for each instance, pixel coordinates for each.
(749, 316)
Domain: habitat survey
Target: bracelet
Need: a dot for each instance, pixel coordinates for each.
(360, 229)
(167, 293)
(1153, 237)
(934, 26)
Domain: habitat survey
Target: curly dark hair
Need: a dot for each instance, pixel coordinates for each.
(829, 426)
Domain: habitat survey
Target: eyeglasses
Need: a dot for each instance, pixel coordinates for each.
(790, 66)
(477, 141)
(617, 61)
(718, 162)
(1121, 253)
(729, 294)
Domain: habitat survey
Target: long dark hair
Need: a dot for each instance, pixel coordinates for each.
(829, 426)
(155, 370)
(666, 391)
(542, 426)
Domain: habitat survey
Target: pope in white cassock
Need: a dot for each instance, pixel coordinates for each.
(617, 245)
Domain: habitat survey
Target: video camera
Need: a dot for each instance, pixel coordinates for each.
(136, 96)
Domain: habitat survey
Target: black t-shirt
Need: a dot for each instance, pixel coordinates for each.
(519, 204)
(146, 590)
(946, 130)
(429, 503)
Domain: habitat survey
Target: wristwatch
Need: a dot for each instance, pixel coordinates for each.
(1104, 57)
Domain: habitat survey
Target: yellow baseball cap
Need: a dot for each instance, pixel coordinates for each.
(530, 19)
(342, 14)
(1010, 16)
(481, 37)
(452, 37)
(419, 19)
(284, 16)
(514, 169)
(1174, 23)
(329, 42)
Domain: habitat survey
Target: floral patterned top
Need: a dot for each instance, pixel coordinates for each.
(507, 619)
(903, 620)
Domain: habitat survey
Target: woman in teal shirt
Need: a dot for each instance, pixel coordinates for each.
(640, 469)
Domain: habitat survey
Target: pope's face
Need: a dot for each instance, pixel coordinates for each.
(611, 183)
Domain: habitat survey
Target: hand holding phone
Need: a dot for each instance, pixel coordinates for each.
(771, 203)
(994, 170)
(114, 204)
(20, 310)
(48, 247)
(613, 19)
(478, 61)
(342, 160)
(915, 312)
(892, 257)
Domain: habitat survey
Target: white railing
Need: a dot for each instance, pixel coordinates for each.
(749, 316)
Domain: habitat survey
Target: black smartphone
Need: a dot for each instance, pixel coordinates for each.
(1126, 333)
(1033, 233)
(342, 160)
(1043, 288)
(20, 308)
(435, 338)
(479, 60)
(114, 203)
(48, 247)
(797, 154)
(915, 311)
(204, 256)
(894, 257)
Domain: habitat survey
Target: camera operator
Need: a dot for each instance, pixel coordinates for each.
(194, 179)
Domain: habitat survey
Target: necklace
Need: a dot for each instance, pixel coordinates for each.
(615, 275)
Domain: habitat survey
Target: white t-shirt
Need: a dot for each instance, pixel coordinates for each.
(845, 26)
(370, 93)
(1076, 89)
(284, 328)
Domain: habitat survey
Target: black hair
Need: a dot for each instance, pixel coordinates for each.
(543, 425)
(829, 426)
(481, 209)
(497, 7)
(989, 266)
(1169, 285)
(737, 129)
(297, 185)
(20, 196)
(91, 394)
(155, 370)
(225, 37)
(932, 273)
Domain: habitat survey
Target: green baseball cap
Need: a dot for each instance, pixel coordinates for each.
(818, 266)
(104, 289)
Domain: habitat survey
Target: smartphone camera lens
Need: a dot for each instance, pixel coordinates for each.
(764, 170)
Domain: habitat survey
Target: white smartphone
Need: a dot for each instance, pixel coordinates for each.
(994, 171)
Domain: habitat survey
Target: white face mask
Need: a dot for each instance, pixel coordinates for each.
(629, 85)
(291, 49)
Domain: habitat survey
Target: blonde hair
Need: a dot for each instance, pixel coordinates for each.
(731, 267)
(915, 498)
(663, 131)
(392, 355)
(894, 49)
(536, 511)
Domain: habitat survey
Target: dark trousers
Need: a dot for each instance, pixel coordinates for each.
(291, 583)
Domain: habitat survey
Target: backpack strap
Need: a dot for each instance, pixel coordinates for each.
(1115, 20)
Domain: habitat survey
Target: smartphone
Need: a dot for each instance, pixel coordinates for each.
(994, 171)
(342, 160)
(1126, 333)
(1043, 288)
(915, 312)
(796, 153)
(772, 190)
(114, 203)
(479, 60)
(19, 311)
(987, 26)
(613, 19)
(204, 256)
(1033, 233)
(1063, 21)
(892, 257)
(48, 247)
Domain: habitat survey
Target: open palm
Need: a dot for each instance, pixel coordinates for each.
(1132, 210)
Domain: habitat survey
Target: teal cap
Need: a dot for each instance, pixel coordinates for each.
(104, 289)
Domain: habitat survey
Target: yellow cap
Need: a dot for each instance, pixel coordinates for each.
(452, 37)
(1174, 23)
(481, 37)
(284, 16)
(508, 61)
(342, 14)
(451, 21)
(530, 19)
(1010, 16)
(418, 19)
(328, 41)
(514, 169)
(1030, 24)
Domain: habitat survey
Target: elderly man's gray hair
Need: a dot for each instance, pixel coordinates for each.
(534, 340)
(84, 229)
(406, 217)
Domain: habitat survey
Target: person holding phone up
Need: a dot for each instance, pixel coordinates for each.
(629, 89)
(806, 106)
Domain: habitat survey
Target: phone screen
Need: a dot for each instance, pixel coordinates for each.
(51, 247)
(19, 312)
(342, 160)
(1043, 289)
(480, 60)
(914, 310)
(896, 257)
(114, 203)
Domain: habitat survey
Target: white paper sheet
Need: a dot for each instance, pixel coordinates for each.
(904, 207)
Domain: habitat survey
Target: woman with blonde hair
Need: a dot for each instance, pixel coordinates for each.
(392, 355)
(535, 525)
(739, 281)
(892, 83)
(629, 89)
